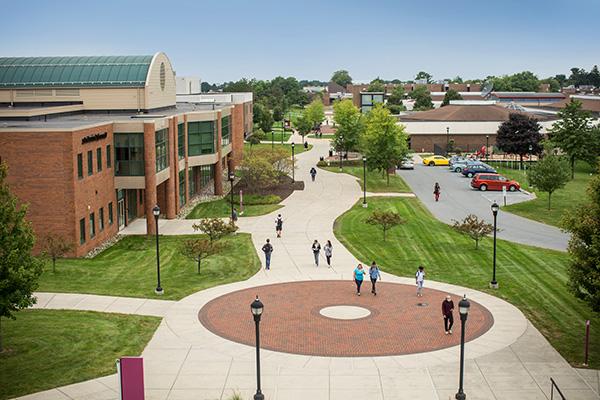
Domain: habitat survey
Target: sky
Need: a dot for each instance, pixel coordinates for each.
(309, 39)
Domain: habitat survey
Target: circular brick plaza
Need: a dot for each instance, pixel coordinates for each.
(292, 322)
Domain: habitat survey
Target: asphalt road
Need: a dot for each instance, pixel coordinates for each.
(457, 200)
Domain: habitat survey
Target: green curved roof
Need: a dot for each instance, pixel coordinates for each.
(96, 71)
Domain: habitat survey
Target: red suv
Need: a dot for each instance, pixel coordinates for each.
(485, 182)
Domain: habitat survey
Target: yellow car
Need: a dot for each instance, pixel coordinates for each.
(435, 160)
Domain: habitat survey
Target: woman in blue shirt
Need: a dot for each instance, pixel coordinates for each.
(359, 274)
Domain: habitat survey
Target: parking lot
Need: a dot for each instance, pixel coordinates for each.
(458, 199)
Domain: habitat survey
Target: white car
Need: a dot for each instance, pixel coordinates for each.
(407, 163)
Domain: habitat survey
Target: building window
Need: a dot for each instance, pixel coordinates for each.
(99, 158)
(129, 154)
(90, 163)
(191, 182)
(80, 166)
(181, 188)
(162, 149)
(141, 194)
(201, 138)
(82, 231)
(181, 141)
(108, 156)
(206, 174)
(101, 218)
(110, 213)
(92, 225)
(225, 130)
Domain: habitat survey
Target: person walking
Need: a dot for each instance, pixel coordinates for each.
(278, 225)
(447, 308)
(374, 274)
(313, 173)
(234, 215)
(420, 278)
(328, 248)
(316, 249)
(359, 275)
(305, 145)
(267, 249)
(436, 191)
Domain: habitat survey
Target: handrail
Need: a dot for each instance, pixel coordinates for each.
(554, 385)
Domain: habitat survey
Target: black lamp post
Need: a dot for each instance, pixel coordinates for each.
(257, 309)
(494, 283)
(158, 290)
(293, 167)
(487, 146)
(529, 156)
(463, 309)
(447, 140)
(272, 139)
(282, 129)
(231, 179)
(364, 182)
(341, 151)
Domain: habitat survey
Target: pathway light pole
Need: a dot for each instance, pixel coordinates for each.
(293, 166)
(487, 146)
(257, 309)
(364, 182)
(463, 309)
(529, 156)
(159, 289)
(231, 179)
(341, 151)
(494, 283)
(282, 129)
(272, 139)
(447, 140)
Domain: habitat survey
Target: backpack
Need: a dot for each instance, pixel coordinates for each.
(267, 248)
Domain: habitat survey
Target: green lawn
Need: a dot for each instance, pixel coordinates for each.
(53, 348)
(562, 200)
(324, 136)
(532, 279)
(253, 205)
(376, 182)
(298, 148)
(129, 268)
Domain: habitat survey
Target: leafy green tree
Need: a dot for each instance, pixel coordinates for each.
(451, 94)
(573, 134)
(56, 246)
(258, 111)
(266, 122)
(422, 98)
(200, 249)
(376, 85)
(342, 78)
(525, 81)
(277, 114)
(396, 96)
(315, 112)
(561, 79)
(424, 75)
(19, 270)
(215, 228)
(419, 91)
(384, 142)
(386, 220)
(243, 85)
(518, 134)
(583, 222)
(349, 123)
(549, 174)
(304, 125)
(554, 84)
(474, 228)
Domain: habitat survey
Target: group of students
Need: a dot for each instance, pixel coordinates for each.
(359, 274)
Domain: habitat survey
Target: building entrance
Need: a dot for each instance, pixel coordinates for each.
(121, 213)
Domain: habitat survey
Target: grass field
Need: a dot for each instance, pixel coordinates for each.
(532, 279)
(277, 136)
(261, 205)
(324, 136)
(129, 268)
(376, 182)
(563, 199)
(53, 348)
(298, 148)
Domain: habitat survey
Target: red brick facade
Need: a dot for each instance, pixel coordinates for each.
(464, 143)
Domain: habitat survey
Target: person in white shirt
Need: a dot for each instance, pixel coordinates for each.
(420, 278)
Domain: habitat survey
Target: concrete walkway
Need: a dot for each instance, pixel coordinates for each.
(184, 360)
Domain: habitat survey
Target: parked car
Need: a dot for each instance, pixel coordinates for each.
(435, 160)
(471, 170)
(407, 163)
(460, 165)
(485, 182)
(455, 159)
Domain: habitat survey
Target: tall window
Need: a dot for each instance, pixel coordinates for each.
(99, 158)
(225, 130)
(192, 181)
(90, 163)
(108, 156)
(201, 138)
(206, 174)
(181, 141)
(92, 225)
(110, 213)
(162, 149)
(80, 166)
(181, 188)
(82, 231)
(129, 154)
(101, 218)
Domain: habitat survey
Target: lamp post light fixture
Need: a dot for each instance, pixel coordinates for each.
(463, 309)
(272, 139)
(282, 129)
(494, 283)
(447, 140)
(364, 182)
(257, 309)
(293, 167)
(231, 179)
(487, 146)
(529, 156)
(156, 213)
(341, 151)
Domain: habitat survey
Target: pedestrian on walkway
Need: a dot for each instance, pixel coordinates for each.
(305, 145)
(436, 191)
(316, 249)
(278, 225)
(313, 173)
(420, 278)
(328, 248)
(374, 275)
(267, 249)
(359, 275)
(447, 308)
(234, 215)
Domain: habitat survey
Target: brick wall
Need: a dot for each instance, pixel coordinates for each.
(237, 133)
(425, 143)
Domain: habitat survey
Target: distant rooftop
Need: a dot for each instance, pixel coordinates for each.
(467, 113)
(528, 95)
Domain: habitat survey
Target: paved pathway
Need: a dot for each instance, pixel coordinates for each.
(184, 360)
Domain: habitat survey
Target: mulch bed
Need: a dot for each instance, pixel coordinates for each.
(285, 188)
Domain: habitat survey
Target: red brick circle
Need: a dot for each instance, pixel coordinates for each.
(291, 322)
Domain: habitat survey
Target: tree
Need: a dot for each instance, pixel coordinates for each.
(376, 85)
(200, 249)
(573, 134)
(258, 111)
(451, 94)
(215, 228)
(554, 85)
(342, 78)
(243, 85)
(55, 247)
(315, 112)
(257, 173)
(266, 122)
(385, 220)
(549, 174)
(277, 114)
(518, 134)
(583, 222)
(349, 123)
(474, 228)
(561, 79)
(19, 270)
(304, 125)
(395, 100)
(525, 81)
(422, 98)
(384, 142)
(424, 75)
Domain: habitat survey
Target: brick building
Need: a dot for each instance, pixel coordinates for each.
(93, 143)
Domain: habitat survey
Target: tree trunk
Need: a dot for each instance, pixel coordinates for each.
(476, 244)
(199, 260)
(549, 197)
(384, 229)
(1, 344)
(573, 167)
(388, 177)
(53, 265)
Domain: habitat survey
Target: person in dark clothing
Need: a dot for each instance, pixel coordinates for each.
(447, 308)
(374, 275)
(313, 173)
(436, 191)
(267, 249)
(306, 145)
(316, 249)
(278, 225)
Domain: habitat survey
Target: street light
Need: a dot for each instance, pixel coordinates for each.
(272, 139)
(158, 290)
(487, 146)
(282, 129)
(293, 167)
(494, 283)
(257, 309)
(447, 140)
(231, 179)
(341, 147)
(463, 309)
(364, 182)
(529, 156)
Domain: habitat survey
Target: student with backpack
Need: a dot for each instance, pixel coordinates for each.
(447, 308)
(278, 225)
(316, 249)
(313, 173)
(374, 274)
(420, 278)
(267, 249)
(436, 191)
